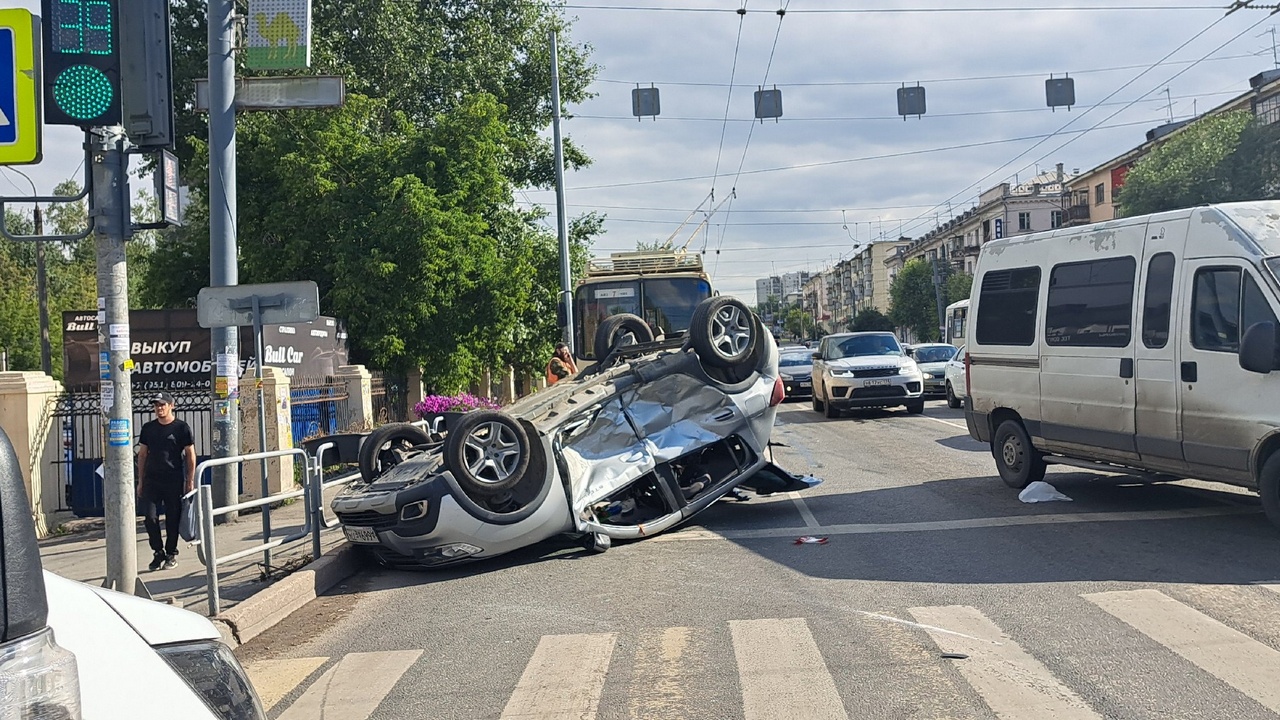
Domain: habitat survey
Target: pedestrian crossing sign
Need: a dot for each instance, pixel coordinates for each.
(19, 83)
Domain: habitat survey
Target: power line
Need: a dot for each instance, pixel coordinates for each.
(737, 43)
(908, 10)
(779, 210)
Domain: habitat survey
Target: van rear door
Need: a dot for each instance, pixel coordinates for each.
(1157, 412)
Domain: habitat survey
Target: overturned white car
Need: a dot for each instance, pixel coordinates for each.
(635, 445)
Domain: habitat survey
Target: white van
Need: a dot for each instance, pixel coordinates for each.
(69, 651)
(1147, 342)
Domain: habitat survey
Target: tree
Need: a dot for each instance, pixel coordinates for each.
(915, 305)
(799, 324)
(1221, 158)
(871, 320)
(958, 286)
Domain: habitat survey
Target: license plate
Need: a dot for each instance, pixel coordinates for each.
(875, 383)
(360, 534)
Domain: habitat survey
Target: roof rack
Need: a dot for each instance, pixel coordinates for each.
(644, 263)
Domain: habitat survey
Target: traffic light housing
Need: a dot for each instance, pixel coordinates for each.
(146, 86)
(81, 62)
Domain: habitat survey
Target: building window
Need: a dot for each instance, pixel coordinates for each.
(1024, 221)
(1099, 193)
(1267, 109)
(1055, 219)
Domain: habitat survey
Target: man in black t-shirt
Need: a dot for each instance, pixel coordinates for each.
(166, 472)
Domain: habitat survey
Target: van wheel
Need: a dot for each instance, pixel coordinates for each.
(1019, 463)
(953, 402)
(1269, 488)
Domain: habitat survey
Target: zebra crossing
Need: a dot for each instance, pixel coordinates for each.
(964, 662)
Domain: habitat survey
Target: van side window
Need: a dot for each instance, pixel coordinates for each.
(1159, 298)
(1215, 310)
(1091, 303)
(1007, 307)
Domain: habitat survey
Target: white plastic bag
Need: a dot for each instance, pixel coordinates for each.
(1041, 492)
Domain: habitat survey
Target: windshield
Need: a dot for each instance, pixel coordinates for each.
(795, 360)
(936, 353)
(864, 345)
(667, 304)
(1273, 264)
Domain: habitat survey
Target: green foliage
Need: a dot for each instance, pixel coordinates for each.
(798, 323)
(771, 306)
(915, 304)
(871, 320)
(1222, 158)
(958, 286)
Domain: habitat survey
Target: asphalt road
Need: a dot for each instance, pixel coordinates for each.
(1134, 600)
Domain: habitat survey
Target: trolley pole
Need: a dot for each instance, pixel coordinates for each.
(110, 209)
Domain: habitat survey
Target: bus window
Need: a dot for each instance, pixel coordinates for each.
(669, 302)
(598, 301)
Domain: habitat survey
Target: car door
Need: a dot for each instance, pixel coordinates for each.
(1157, 412)
(1226, 410)
(1086, 378)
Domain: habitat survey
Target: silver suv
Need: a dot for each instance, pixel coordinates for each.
(862, 370)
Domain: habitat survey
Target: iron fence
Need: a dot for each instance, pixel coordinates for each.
(318, 407)
(390, 398)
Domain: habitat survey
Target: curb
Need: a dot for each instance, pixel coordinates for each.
(265, 609)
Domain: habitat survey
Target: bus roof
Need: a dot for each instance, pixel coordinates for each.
(644, 263)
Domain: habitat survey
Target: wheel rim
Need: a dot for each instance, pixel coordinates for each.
(731, 331)
(491, 452)
(1012, 451)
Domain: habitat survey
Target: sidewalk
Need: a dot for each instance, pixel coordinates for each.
(82, 555)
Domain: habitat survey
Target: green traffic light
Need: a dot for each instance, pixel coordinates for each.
(83, 92)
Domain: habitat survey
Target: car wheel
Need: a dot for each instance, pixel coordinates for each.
(596, 542)
(724, 332)
(1269, 488)
(832, 410)
(614, 329)
(488, 452)
(388, 446)
(915, 408)
(817, 404)
(953, 402)
(1019, 463)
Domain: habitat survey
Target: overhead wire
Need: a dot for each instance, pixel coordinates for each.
(733, 72)
(906, 10)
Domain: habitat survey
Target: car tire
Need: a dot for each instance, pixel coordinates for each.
(596, 542)
(387, 446)
(915, 408)
(724, 332)
(1269, 488)
(953, 402)
(1019, 463)
(616, 327)
(832, 410)
(817, 404)
(487, 451)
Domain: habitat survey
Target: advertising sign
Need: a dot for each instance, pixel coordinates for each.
(170, 350)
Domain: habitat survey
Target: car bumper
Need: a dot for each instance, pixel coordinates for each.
(874, 392)
(797, 387)
(935, 386)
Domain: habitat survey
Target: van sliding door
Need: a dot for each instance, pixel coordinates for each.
(1157, 412)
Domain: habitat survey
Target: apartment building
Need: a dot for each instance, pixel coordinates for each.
(1093, 193)
(766, 287)
(792, 284)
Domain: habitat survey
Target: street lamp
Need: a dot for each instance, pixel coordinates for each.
(46, 360)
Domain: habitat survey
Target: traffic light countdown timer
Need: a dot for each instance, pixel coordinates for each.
(81, 62)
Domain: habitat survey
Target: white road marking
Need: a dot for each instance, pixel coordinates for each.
(354, 687)
(947, 422)
(564, 678)
(782, 673)
(966, 524)
(1225, 653)
(1014, 684)
(273, 679)
(930, 628)
(805, 514)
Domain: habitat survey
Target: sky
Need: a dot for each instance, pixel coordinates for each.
(840, 168)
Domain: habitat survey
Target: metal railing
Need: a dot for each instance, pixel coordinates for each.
(312, 493)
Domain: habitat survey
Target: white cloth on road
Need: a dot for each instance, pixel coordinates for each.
(1041, 492)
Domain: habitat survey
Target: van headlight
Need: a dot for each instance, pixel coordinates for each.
(39, 679)
(214, 673)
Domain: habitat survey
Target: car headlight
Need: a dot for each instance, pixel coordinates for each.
(841, 373)
(216, 676)
(39, 679)
(909, 370)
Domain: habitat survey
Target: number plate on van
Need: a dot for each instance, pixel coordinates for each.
(360, 534)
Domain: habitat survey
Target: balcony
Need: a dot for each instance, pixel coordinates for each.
(1078, 215)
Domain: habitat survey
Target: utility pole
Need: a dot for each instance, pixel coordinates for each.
(42, 296)
(566, 273)
(111, 225)
(223, 260)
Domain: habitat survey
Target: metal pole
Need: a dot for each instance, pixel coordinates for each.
(42, 297)
(262, 427)
(210, 548)
(110, 210)
(223, 269)
(566, 273)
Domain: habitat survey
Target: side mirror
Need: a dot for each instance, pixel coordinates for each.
(816, 356)
(562, 318)
(1258, 348)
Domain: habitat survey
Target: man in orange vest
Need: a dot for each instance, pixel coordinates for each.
(561, 365)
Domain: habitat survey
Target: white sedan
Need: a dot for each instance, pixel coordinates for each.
(955, 376)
